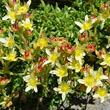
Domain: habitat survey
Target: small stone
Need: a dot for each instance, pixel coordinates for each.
(65, 105)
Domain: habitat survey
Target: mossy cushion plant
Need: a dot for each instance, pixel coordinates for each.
(51, 54)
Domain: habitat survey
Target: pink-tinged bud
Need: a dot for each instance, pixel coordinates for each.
(28, 55)
(4, 81)
(83, 37)
(8, 103)
(101, 54)
(14, 1)
(84, 69)
(103, 6)
(1, 31)
(42, 60)
(105, 73)
(27, 15)
(39, 68)
(14, 28)
(91, 48)
(28, 33)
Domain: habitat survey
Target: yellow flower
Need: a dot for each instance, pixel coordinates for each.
(101, 93)
(8, 42)
(75, 64)
(27, 24)
(61, 71)
(11, 56)
(64, 88)
(79, 52)
(32, 82)
(90, 80)
(24, 9)
(10, 15)
(100, 74)
(52, 57)
(42, 42)
(106, 60)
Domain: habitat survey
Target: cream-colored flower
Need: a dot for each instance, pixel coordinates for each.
(79, 52)
(76, 65)
(100, 75)
(61, 71)
(86, 25)
(41, 43)
(27, 24)
(11, 56)
(8, 42)
(89, 80)
(32, 82)
(101, 93)
(23, 9)
(10, 15)
(52, 57)
(64, 88)
(104, 16)
(106, 60)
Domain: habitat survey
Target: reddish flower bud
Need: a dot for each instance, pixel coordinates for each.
(4, 81)
(91, 48)
(28, 55)
(8, 103)
(39, 68)
(14, 28)
(42, 60)
(83, 37)
(27, 15)
(28, 32)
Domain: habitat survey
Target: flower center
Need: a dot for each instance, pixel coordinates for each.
(86, 26)
(10, 42)
(54, 57)
(32, 82)
(11, 56)
(42, 42)
(65, 87)
(89, 81)
(23, 10)
(102, 92)
(107, 60)
(98, 76)
(12, 15)
(28, 25)
(62, 72)
(78, 53)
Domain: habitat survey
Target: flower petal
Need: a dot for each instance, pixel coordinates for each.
(102, 99)
(88, 89)
(79, 24)
(48, 52)
(63, 96)
(54, 72)
(103, 77)
(28, 3)
(86, 18)
(3, 40)
(8, 8)
(81, 81)
(46, 62)
(35, 89)
(6, 17)
(28, 88)
(56, 89)
(81, 31)
(95, 95)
